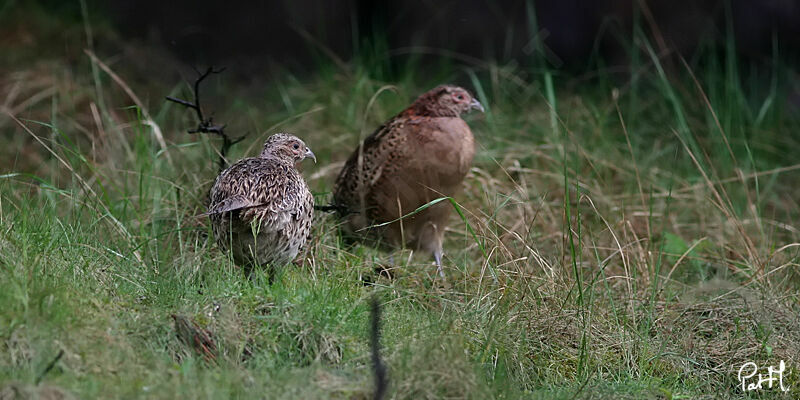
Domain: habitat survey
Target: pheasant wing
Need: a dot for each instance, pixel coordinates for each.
(377, 155)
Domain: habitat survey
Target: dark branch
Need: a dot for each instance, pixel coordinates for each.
(181, 102)
(332, 208)
(49, 366)
(206, 125)
(375, 345)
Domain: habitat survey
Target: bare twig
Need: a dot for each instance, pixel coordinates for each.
(49, 366)
(331, 208)
(206, 125)
(375, 336)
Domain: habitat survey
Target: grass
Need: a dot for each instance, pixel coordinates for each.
(620, 238)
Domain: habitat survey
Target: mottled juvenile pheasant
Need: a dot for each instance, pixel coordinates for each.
(420, 155)
(261, 207)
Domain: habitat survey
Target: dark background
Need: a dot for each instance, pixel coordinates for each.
(576, 33)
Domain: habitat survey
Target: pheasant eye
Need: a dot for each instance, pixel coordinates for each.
(460, 97)
(296, 146)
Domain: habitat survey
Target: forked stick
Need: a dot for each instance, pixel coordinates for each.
(206, 125)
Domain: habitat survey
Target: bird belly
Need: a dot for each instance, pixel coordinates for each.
(250, 245)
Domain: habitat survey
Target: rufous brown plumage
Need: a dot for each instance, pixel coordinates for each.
(420, 155)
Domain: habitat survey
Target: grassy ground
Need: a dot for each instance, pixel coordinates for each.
(623, 236)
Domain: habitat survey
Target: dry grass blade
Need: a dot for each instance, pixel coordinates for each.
(627, 263)
(86, 186)
(148, 120)
(725, 208)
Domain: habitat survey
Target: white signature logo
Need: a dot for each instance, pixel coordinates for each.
(774, 375)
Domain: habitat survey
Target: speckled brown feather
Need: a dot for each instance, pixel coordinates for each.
(420, 155)
(261, 208)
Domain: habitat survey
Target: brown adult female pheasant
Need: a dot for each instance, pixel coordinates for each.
(420, 155)
(261, 208)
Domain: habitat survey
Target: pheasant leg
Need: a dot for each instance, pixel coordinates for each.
(437, 256)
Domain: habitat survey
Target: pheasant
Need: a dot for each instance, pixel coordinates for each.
(421, 154)
(261, 208)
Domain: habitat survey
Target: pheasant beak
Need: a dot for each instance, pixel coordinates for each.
(310, 154)
(476, 105)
